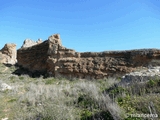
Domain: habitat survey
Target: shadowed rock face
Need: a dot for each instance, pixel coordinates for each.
(52, 58)
(34, 58)
(8, 54)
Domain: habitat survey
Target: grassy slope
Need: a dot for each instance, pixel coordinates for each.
(61, 99)
(54, 99)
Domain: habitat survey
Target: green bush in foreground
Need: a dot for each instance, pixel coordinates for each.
(138, 98)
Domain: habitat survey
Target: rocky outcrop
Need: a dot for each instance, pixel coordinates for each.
(4, 86)
(30, 43)
(52, 58)
(140, 76)
(8, 54)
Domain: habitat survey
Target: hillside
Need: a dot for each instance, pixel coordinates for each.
(39, 98)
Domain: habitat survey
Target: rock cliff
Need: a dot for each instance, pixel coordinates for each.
(52, 58)
(8, 54)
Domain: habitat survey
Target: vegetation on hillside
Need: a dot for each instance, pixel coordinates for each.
(61, 99)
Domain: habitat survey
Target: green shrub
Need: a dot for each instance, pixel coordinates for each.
(151, 83)
(85, 114)
(49, 81)
(13, 79)
(12, 100)
(117, 90)
(86, 102)
(21, 77)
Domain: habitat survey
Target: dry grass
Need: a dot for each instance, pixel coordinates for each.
(61, 99)
(53, 99)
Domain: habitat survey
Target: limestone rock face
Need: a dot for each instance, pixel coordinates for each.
(51, 57)
(8, 54)
(142, 75)
(29, 43)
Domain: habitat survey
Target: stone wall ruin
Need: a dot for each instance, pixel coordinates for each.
(52, 58)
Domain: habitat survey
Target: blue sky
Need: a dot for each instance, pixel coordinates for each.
(84, 25)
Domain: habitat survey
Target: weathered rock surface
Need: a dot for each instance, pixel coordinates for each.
(30, 43)
(4, 119)
(4, 86)
(143, 75)
(51, 57)
(8, 54)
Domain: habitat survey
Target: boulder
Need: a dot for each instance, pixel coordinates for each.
(8, 54)
(4, 86)
(4, 119)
